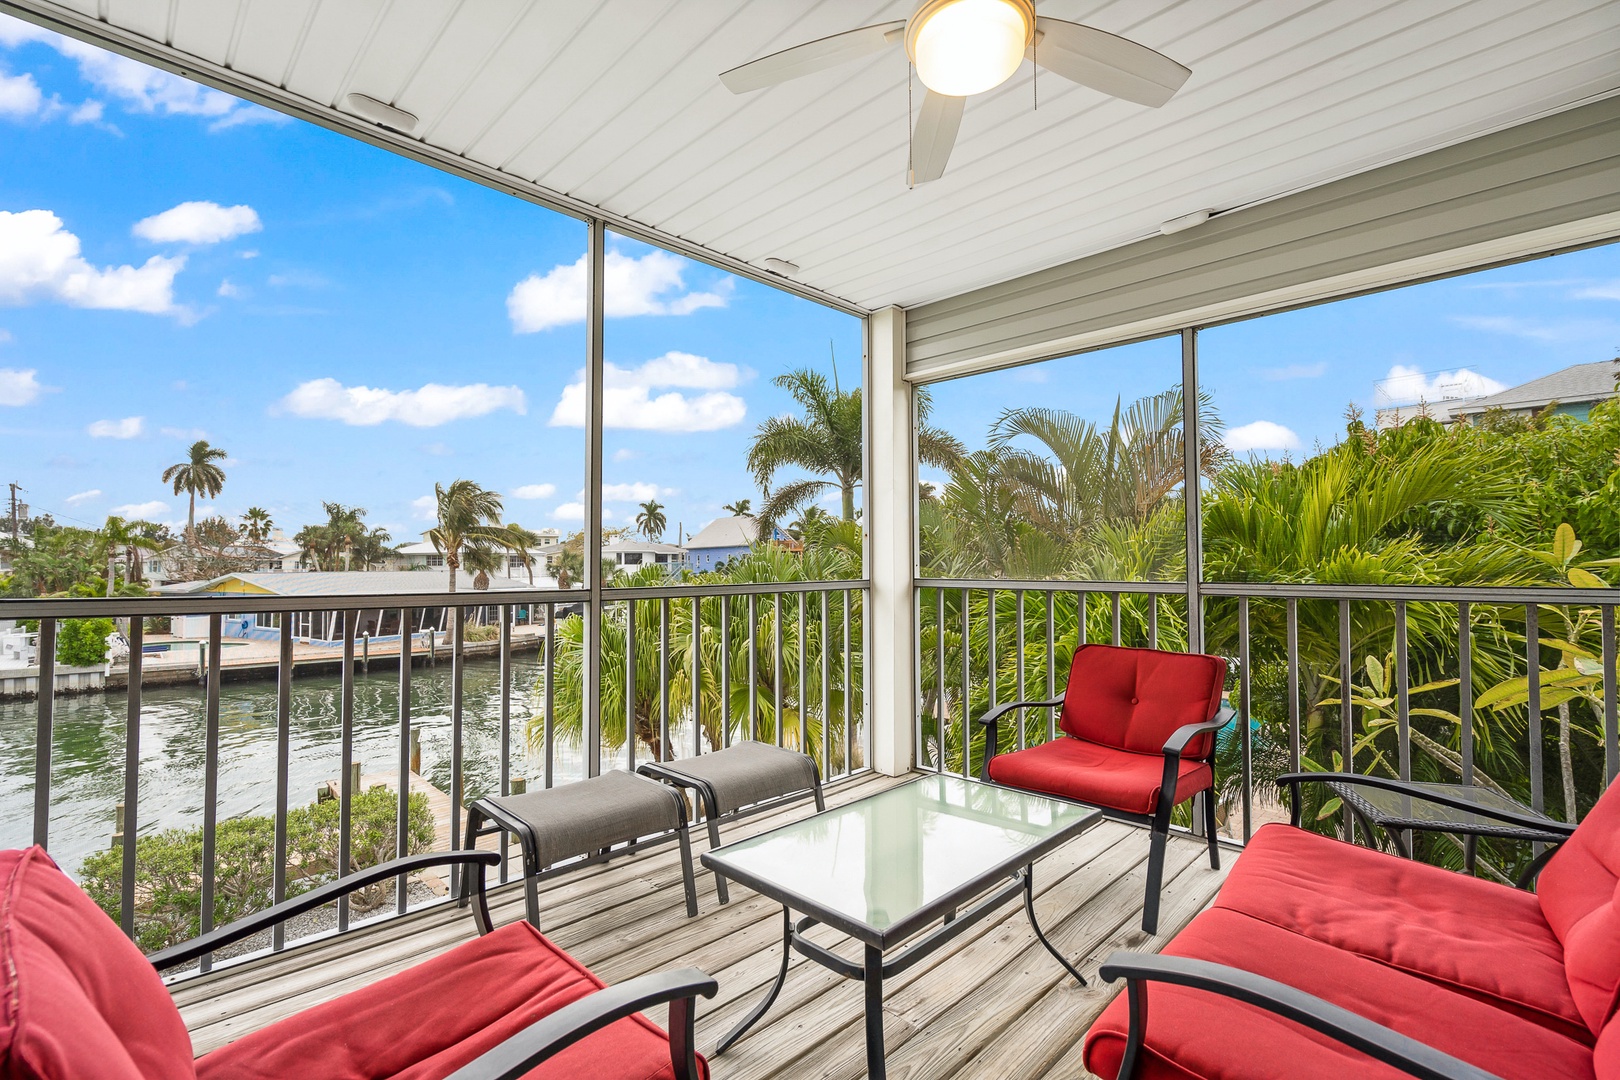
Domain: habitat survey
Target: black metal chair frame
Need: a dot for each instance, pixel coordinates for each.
(1158, 822)
(1513, 826)
(712, 816)
(533, 873)
(679, 988)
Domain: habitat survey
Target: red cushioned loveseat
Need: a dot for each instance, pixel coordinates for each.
(78, 1001)
(1320, 958)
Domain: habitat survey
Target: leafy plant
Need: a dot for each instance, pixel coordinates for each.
(83, 642)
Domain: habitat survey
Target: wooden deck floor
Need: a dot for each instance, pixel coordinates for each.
(990, 1004)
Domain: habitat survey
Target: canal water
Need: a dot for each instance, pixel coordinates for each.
(87, 765)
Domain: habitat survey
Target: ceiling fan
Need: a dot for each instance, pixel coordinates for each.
(965, 47)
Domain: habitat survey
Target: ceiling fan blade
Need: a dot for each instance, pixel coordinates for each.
(812, 56)
(935, 135)
(1103, 61)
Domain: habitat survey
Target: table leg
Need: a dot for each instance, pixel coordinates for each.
(776, 988)
(1029, 906)
(876, 1068)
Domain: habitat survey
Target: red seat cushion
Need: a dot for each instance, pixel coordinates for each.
(1477, 937)
(1135, 699)
(1099, 775)
(78, 1001)
(1197, 1035)
(1579, 890)
(428, 1021)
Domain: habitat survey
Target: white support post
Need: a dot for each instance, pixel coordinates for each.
(891, 498)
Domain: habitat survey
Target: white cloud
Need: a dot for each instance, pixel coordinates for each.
(1289, 372)
(622, 454)
(227, 289)
(84, 496)
(637, 491)
(534, 491)
(198, 223)
(139, 88)
(628, 401)
(184, 434)
(425, 509)
(570, 511)
(39, 259)
(128, 428)
(432, 405)
(19, 387)
(1546, 333)
(1602, 290)
(649, 285)
(1406, 385)
(87, 112)
(20, 96)
(1261, 435)
(141, 511)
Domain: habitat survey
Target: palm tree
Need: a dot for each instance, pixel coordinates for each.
(481, 560)
(256, 525)
(468, 514)
(343, 531)
(129, 539)
(522, 543)
(651, 520)
(740, 508)
(826, 441)
(197, 475)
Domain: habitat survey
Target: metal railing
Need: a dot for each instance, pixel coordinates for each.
(782, 662)
(1325, 676)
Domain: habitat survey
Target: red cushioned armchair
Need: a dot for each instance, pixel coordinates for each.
(78, 1001)
(1137, 738)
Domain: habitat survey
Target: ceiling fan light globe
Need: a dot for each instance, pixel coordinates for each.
(963, 47)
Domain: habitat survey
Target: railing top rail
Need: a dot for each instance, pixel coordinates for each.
(1166, 588)
(657, 592)
(1478, 594)
(119, 606)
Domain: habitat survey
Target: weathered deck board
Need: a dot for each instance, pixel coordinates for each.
(991, 1003)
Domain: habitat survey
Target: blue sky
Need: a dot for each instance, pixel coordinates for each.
(350, 326)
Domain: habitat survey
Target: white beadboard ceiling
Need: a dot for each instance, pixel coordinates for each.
(616, 105)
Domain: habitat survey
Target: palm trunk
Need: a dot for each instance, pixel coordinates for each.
(191, 516)
(848, 488)
(452, 563)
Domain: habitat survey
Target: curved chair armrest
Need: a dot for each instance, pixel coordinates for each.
(1292, 781)
(1373, 1039)
(260, 921)
(1176, 744)
(546, 1036)
(990, 721)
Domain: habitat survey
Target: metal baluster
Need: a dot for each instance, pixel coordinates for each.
(1293, 685)
(1347, 747)
(1532, 660)
(1465, 689)
(1611, 691)
(550, 686)
(776, 633)
(919, 693)
(967, 682)
(402, 822)
(725, 671)
(1018, 605)
(508, 613)
(1115, 599)
(665, 747)
(284, 674)
(1403, 695)
(44, 732)
(940, 707)
(346, 757)
(697, 676)
(1245, 711)
(799, 695)
(1051, 663)
(630, 681)
(753, 667)
(210, 780)
(132, 777)
(826, 696)
(1082, 631)
(849, 692)
(992, 667)
(457, 672)
(1153, 620)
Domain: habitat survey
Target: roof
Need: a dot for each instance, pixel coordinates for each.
(351, 583)
(726, 532)
(615, 107)
(1574, 385)
(629, 544)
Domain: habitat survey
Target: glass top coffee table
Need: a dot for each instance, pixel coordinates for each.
(890, 865)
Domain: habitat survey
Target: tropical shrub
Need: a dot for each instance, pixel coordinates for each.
(83, 642)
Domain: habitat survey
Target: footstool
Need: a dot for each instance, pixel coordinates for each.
(587, 819)
(743, 774)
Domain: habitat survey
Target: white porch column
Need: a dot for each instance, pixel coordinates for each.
(889, 507)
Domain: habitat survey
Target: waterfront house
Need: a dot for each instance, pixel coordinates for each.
(726, 538)
(422, 555)
(1570, 392)
(632, 553)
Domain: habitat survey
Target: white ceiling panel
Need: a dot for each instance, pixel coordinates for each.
(616, 104)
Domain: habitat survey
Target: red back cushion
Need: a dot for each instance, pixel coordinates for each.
(1134, 699)
(1579, 892)
(78, 1001)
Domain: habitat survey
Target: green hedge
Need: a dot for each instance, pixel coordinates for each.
(168, 865)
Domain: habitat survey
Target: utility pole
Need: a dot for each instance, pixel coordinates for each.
(15, 487)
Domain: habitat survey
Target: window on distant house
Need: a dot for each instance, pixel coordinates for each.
(435, 560)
